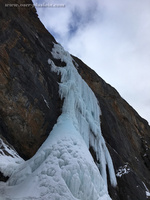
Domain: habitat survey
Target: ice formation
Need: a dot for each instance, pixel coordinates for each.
(81, 105)
(63, 168)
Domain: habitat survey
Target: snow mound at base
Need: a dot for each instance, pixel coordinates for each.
(61, 169)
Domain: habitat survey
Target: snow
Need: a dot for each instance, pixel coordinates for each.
(46, 102)
(147, 191)
(9, 159)
(63, 168)
(123, 170)
(147, 194)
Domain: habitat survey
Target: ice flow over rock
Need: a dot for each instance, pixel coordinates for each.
(81, 105)
(63, 168)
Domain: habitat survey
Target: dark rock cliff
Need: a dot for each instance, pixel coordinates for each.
(29, 100)
(30, 104)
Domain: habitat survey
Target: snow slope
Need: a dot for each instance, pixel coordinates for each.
(9, 159)
(63, 168)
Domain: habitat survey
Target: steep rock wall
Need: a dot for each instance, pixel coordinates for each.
(30, 104)
(29, 100)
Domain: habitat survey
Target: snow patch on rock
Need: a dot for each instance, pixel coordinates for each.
(123, 170)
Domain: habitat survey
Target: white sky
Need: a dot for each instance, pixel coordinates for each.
(110, 36)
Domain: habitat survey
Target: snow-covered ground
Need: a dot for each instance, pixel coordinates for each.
(9, 159)
(63, 168)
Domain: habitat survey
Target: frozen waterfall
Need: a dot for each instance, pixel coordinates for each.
(81, 105)
(63, 168)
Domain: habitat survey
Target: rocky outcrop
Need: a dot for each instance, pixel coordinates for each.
(30, 104)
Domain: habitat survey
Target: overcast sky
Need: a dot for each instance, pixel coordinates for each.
(110, 36)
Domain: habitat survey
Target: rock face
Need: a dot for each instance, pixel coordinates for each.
(30, 104)
(29, 100)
